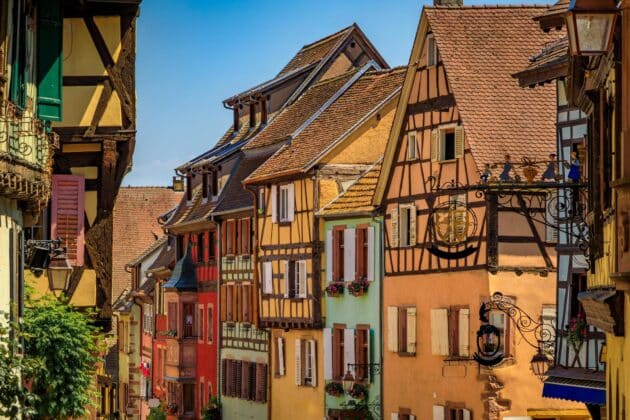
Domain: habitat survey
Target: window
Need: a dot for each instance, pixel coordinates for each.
(278, 356)
(451, 412)
(450, 331)
(172, 316)
(338, 254)
(350, 253)
(245, 236)
(337, 354)
(189, 398)
(502, 322)
(189, 187)
(147, 318)
(447, 143)
(261, 200)
(407, 225)
(200, 319)
(210, 323)
(245, 380)
(403, 414)
(412, 150)
(212, 243)
(236, 302)
(401, 325)
(305, 362)
(362, 352)
(432, 53)
(214, 184)
(295, 279)
(201, 257)
(344, 348)
(189, 320)
(361, 254)
(267, 277)
(282, 203)
(229, 238)
(246, 310)
(67, 215)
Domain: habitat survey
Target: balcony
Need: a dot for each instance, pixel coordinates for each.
(25, 154)
(605, 265)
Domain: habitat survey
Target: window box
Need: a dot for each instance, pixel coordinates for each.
(358, 392)
(334, 389)
(358, 287)
(335, 289)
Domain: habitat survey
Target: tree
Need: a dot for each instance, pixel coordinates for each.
(67, 345)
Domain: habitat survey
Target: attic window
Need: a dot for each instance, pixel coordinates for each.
(189, 187)
(432, 53)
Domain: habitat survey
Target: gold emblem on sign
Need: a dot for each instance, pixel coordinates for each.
(451, 223)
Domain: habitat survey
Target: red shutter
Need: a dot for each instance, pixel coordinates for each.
(67, 215)
(245, 236)
(402, 330)
(261, 382)
(359, 249)
(453, 331)
(224, 227)
(245, 380)
(224, 289)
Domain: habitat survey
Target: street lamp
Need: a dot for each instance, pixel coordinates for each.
(348, 381)
(590, 26)
(49, 255)
(59, 272)
(540, 364)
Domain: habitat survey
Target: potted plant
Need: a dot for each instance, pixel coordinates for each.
(334, 289)
(358, 392)
(359, 287)
(334, 389)
(171, 408)
(212, 411)
(157, 413)
(577, 330)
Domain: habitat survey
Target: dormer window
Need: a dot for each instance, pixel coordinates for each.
(236, 119)
(252, 115)
(189, 187)
(214, 184)
(432, 52)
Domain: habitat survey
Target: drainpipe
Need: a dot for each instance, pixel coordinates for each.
(381, 308)
(139, 346)
(217, 227)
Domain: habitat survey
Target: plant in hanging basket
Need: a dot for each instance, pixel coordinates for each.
(334, 389)
(358, 392)
(359, 287)
(334, 289)
(577, 330)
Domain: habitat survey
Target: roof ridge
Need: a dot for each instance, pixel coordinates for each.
(334, 78)
(377, 72)
(492, 6)
(327, 38)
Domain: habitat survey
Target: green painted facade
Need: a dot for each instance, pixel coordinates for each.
(352, 311)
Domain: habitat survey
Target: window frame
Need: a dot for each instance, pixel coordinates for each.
(283, 205)
(338, 253)
(432, 51)
(210, 323)
(412, 152)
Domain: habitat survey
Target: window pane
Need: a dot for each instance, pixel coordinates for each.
(449, 145)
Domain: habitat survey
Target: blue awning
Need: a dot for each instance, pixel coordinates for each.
(588, 392)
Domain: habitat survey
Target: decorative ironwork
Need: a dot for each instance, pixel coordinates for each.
(372, 368)
(22, 135)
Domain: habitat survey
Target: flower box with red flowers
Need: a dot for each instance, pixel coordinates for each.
(334, 289)
(359, 287)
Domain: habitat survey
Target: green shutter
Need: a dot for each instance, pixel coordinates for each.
(49, 59)
(17, 93)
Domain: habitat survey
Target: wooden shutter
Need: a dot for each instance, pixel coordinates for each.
(301, 279)
(329, 255)
(337, 356)
(224, 302)
(348, 350)
(402, 330)
(239, 378)
(313, 355)
(464, 326)
(362, 353)
(286, 279)
(274, 204)
(439, 412)
(280, 349)
(298, 362)
(413, 215)
(230, 303)
(338, 235)
(49, 59)
(67, 215)
(411, 330)
(459, 141)
(224, 383)
(453, 331)
(348, 254)
(261, 382)
(290, 202)
(245, 237)
(238, 302)
(392, 328)
(395, 232)
(435, 145)
(246, 302)
(370, 256)
(359, 253)
(328, 373)
(267, 273)
(466, 414)
(224, 235)
(439, 332)
(245, 380)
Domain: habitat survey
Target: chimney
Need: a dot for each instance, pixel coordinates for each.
(448, 2)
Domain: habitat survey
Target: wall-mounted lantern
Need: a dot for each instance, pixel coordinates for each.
(49, 255)
(590, 26)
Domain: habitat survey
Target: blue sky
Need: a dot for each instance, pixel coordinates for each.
(192, 54)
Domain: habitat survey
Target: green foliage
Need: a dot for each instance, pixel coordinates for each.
(157, 413)
(212, 411)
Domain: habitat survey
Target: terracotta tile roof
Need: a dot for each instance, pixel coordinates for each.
(190, 211)
(136, 227)
(481, 47)
(369, 91)
(166, 257)
(357, 198)
(553, 17)
(551, 63)
(234, 196)
(292, 117)
(148, 251)
(314, 52)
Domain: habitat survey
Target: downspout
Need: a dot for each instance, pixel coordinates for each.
(218, 311)
(139, 348)
(381, 259)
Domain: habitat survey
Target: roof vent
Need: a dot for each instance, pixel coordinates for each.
(448, 2)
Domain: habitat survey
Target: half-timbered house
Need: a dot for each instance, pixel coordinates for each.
(330, 151)
(352, 333)
(215, 216)
(577, 346)
(465, 218)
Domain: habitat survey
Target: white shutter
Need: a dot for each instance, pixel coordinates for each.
(412, 225)
(327, 353)
(465, 414)
(459, 141)
(298, 362)
(439, 332)
(286, 279)
(463, 335)
(313, 355)
(551, 217)
(348, 350)
(435, 150)
(267, 277)
(411, 145)
(291, 203)
(370, 256)
(302, 279)
(411, 330)
(439, 412)
(412, 417)
(392, 328)
(280, 344)
(394, 416)
(274, 204)
(348, 254)
(329, 255)
(395, 232)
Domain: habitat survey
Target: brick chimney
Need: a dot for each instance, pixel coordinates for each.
(448, 2)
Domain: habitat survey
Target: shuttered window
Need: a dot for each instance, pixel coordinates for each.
(431, 51)
(362, 252)
(210, 324)
(412, 150)
(49, 59)
(401, 326)
(245, 237)
(295, 278)
(362, 352)
(267, 277)
(67, 215)
(338, 366)
(407, 225)
(450, 331)
(502, 322)
(285, 204)
(279, 361)
(447, 143)
(338, 253)
(245, 380)
(449, 412)
(230, 237)
(247, 304)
